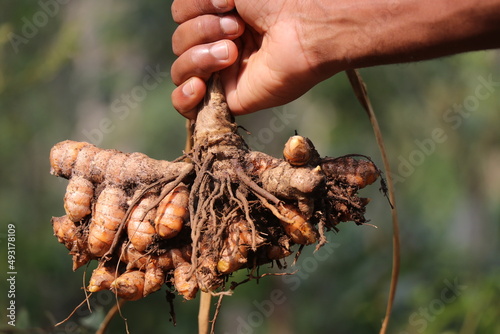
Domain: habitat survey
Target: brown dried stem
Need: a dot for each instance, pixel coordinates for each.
(109, 316)
(359, 88)
(205, 298)
(204, 313)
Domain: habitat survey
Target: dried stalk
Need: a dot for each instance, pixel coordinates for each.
(204, 313)
(205, 298)
(111, 313)
(359, 88)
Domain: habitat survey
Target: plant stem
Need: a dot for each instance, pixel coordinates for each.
(204, 313)
(111, 313)
(360, 90)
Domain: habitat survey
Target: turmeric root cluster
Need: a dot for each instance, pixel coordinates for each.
(190, 225)
(100, 206)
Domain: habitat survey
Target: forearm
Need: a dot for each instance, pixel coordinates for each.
(368, 33)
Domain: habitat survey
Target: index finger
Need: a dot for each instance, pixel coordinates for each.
(183, 10)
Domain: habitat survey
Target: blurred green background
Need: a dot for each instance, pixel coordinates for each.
(98, 71)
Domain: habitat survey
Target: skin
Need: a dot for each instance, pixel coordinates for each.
(271, 52)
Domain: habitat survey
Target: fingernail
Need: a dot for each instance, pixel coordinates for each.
(188, 88)
(219, 3)
(220, 51)
(229, 26)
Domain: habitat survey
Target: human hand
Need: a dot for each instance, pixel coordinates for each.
(266, 52)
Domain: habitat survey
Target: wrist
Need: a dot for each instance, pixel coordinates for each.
(362, 33)
(338, 35)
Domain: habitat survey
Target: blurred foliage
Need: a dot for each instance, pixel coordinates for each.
(77, 70)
